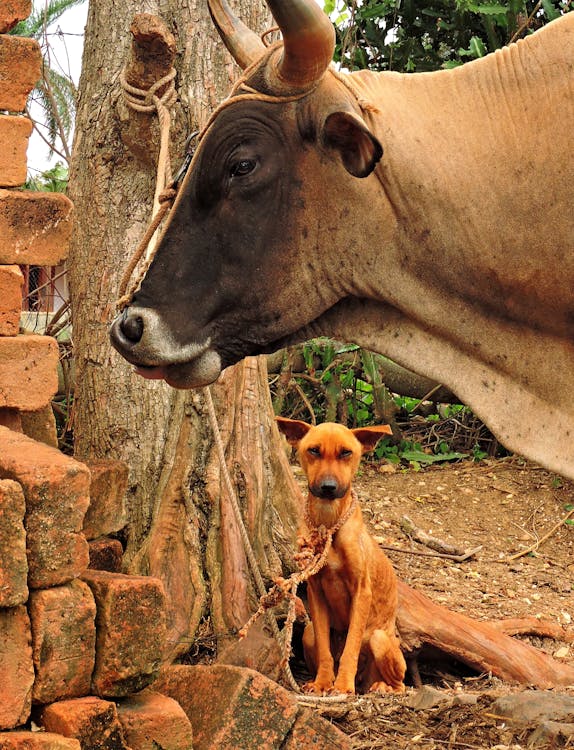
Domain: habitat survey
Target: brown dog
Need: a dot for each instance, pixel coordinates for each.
(353, 598)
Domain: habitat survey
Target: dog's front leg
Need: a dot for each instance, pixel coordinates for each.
(318, 646)
(358, 617)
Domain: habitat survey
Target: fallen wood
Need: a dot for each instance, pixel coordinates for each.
(480, 645)
(534, 626)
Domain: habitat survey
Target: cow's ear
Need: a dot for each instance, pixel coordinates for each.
(358, 147)
(293, 429)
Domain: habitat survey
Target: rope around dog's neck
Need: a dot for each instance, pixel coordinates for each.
(312, 557)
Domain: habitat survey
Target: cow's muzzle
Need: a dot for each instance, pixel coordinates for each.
(141, 336)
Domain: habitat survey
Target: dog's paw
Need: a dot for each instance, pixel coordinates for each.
(343, 687)
(384, 687)
(318, 687)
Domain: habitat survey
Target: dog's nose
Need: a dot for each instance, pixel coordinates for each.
(328, 488)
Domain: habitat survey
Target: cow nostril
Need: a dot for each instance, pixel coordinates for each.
(132, 327)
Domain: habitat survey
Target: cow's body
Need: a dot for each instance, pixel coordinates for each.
(454, 256)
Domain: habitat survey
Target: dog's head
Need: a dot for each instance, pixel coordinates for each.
(329, 453)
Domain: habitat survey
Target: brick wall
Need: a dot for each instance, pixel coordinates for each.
(72, 639)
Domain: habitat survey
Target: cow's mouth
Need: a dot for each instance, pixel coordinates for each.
(202, 370)
(145, 342)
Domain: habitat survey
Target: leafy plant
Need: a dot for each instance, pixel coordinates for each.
(325, 380)
(422, 35)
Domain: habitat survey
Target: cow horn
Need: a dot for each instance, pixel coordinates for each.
(308, 39)
(244, 45)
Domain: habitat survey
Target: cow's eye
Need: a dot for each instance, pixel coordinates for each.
(242, 167)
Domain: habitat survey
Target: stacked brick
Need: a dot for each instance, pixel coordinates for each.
(76, 642)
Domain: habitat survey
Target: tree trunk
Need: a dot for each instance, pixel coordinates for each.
(180, 527)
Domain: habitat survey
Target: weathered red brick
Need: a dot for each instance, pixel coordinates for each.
(63, 641)
(151, 720)
(16, 668)
(56, 491)
(35, 227)
(11, 281)
(14, 134)
(13, 561)
(106, 554)
(312, 731)
(11, 418)
(13, 11)
(130, 631)
(107, 510)
(40, 425)
(92, 721)
(258, 650)
(233, 707)
(230, 707)
(23, 740)
(20, 66)
(28, 371)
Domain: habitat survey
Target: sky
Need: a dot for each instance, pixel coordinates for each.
(66, 38)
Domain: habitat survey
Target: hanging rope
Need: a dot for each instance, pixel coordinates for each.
(147, 101)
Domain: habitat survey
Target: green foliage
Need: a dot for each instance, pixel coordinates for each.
(338, 382)
(53, 180)
(423, 35)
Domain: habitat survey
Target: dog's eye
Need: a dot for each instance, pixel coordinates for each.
(314, 451)
(345, 453)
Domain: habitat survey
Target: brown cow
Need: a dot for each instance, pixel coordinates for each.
(452, 253)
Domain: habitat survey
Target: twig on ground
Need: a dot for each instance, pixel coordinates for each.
(539, 542)
(442, 548)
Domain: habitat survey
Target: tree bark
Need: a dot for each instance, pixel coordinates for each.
(179, 524)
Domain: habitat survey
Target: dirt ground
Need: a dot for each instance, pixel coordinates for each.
(505, 506)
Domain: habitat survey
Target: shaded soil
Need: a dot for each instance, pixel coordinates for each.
(505, 506)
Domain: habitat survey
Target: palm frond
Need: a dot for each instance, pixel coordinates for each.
(35, 25)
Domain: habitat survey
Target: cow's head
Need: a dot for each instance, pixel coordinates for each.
(240, 267)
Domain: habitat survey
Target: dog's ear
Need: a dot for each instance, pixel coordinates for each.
(293, 429)
(370, 436)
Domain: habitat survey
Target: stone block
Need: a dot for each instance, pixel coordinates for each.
(11, 281)
(11, 418)
(13, 11)
(233, 707)
(107, 510)
(130, 631)
(28, 371)
(16, 668)
(56, 490)
(20, 69)
(34, 227)
(23, 740)
(92, 721)
(63, 641)
(312, 731)
(40, 425)
(13, 561)
(106, 554)
(230, 707)
(14, 134)
(151, 720)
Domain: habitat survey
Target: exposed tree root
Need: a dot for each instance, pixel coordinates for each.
(484, 646)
